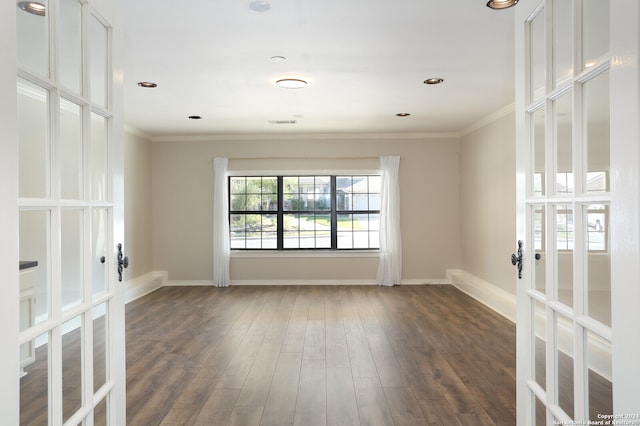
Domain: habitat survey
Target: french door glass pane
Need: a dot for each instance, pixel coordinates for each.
(598, 279)
(563, 133)
(100, 336)
(562, 41)
(71, 45)
(100, 413)
(540, 413)
(539, 336)
(596, 116)
(72, 252)
(98, 63)
(35, 245)
(100, 236)
(595, 30)
(539, 230)
(72, 366)
(33, 37)
(564, 253)
(70, 150)
(599, 368)
(98, 157)
(34, 395)
(538, 143)
(33, 140)
(564, 359)
(538, 53)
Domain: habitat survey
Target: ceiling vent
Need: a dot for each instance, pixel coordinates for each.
(283, 121)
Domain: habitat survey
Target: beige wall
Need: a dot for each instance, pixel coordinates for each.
(137, 211)
(487, 206)
(182, 207)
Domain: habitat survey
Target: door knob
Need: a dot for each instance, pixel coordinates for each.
(123, 262)
(517, 260)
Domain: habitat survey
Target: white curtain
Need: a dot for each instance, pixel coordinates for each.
(221, 244)
(390, 263)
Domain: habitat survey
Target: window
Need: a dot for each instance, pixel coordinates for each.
(304, 212)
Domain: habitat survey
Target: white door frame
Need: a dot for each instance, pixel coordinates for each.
(9, 305)
(625, 211)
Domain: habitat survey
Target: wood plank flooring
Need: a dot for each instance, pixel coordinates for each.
(301, 355)
(271, 356)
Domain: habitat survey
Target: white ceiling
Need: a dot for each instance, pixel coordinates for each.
(365, 61)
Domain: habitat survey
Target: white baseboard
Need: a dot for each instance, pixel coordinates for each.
(185, 283)
(144, 284)
(427, 281)
(504, 303)
(486, 293)
(189, 283)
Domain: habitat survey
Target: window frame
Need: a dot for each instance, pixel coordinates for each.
(333, 212)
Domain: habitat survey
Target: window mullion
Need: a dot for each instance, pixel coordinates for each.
(280, 214)
(334, 215)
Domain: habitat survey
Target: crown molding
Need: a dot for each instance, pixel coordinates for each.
(135, 132)
(305, 136)
(488, 119)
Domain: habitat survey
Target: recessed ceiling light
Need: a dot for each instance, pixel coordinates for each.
(259, 6)
(147, 84)
(195, 117)
(433, 81)
(278, 58)
(501, 4)
(291, 83)
(33, 7)
(403, 114)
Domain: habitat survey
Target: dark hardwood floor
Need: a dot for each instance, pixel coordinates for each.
(318, 356)
(361, 355)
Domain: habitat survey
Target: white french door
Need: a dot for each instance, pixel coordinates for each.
(577, 193)
(70, 366)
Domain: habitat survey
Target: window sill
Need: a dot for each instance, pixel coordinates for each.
(305, 253)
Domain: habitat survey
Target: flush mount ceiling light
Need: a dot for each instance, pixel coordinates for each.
(433, 81)
(291, 83)
(282, 121)
(33, 7)
(259, 6)
(278, 58)
(402, 114)
(501, 4)
(147, 84)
